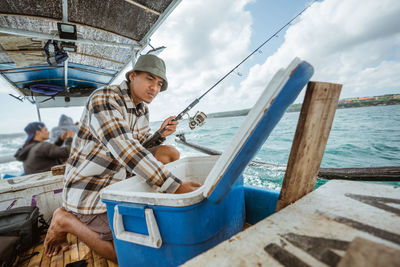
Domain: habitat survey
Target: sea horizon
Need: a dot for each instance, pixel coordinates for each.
(210, 115)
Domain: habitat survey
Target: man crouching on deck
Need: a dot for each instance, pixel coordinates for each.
(107, 149)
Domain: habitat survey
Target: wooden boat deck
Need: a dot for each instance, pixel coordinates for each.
(342, 223)
(77, 251)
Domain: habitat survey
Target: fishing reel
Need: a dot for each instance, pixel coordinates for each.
(197, 120)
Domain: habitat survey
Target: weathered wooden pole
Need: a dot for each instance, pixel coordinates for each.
(315, 122)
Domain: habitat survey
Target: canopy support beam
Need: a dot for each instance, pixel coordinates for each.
(66, 75)
(38, 113)
(65, 11)
(79, 41)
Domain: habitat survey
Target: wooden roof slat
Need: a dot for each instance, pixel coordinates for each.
(44, 36)
(42, 8)
(144, 7)
(41, 52)
(23, 51)
(95, 62)
(98, 57)
(117, 16)
(129, 18)
(34, 19)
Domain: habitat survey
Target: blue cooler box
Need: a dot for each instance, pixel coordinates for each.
(154, 229)
(179, 230)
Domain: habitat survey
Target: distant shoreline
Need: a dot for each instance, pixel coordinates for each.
(383, 100)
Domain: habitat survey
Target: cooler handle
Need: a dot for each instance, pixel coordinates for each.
(152, 240)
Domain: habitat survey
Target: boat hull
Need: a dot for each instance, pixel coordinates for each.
(42, 190)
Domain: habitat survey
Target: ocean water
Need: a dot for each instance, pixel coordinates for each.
(360, 137)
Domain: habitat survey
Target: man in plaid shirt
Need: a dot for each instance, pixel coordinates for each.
(107, 149)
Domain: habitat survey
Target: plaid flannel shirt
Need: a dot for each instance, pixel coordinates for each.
(107, 149)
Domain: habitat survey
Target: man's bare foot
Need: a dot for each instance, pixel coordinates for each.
(56, 238)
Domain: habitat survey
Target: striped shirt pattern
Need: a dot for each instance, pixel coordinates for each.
(108, 148)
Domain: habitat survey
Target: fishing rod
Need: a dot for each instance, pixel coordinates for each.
(199, 118)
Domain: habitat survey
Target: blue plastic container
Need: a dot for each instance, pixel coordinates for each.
(186, 231)
(152, 229)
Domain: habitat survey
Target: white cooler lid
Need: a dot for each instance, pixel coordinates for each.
(280, 93)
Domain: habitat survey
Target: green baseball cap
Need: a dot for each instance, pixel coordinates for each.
(152, 64)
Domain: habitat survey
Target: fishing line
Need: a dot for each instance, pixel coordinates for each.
(154, 139)
(254, 51)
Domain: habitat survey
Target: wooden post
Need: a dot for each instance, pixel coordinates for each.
(315, 122)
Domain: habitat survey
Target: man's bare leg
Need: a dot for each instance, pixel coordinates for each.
(166, 154)
(63, 223)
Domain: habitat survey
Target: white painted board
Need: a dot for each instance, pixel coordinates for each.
(316, 230)
(42, 190)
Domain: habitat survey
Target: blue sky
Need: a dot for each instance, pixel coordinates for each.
(352, 42)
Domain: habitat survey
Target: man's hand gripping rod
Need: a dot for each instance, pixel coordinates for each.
(153, 140)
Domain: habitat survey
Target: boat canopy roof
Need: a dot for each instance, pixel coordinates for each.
(101, 38)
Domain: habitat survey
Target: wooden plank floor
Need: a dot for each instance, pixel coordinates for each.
(77, 251)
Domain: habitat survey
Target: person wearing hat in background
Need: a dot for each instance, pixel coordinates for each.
(38, 155)
(65, 123)
(107, 149)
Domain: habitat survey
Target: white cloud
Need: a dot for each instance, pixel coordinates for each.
(350, 42)
(201, 48)
(356, 44)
